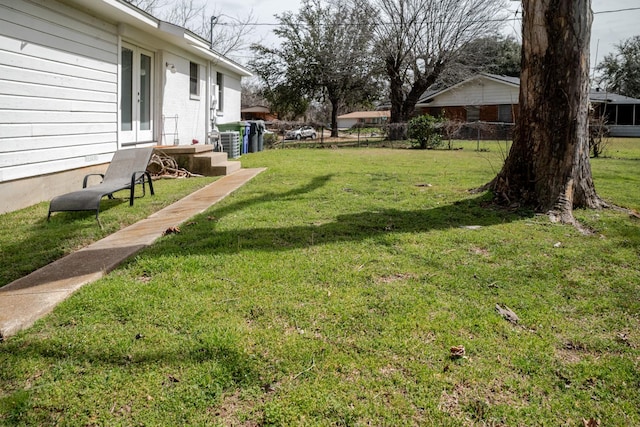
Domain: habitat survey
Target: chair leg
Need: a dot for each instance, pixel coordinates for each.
(150, 183)
(132, 189)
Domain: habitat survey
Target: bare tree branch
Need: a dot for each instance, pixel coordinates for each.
(230, 34)
(419, 39)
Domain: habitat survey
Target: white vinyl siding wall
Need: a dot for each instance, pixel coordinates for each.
(58, 89)
(480, 91)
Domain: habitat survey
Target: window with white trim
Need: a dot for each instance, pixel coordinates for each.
(194, 79)
(220, 84)
(473, 113)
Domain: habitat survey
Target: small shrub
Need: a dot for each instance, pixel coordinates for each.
(424, 132)
(598, 134)
(269, 140)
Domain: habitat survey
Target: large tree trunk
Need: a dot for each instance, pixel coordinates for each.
(548, 165)
(335, 104)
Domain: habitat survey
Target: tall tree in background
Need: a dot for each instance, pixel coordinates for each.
(280, 85)
(325, 53)
(416, 40)
(495, 54)
(548, 165)
(620, 70)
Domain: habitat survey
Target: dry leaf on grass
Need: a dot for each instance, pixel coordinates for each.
(508, 314)
(457, 351)
(172, 230)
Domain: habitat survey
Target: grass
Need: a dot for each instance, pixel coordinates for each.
(329, 291)
(28, 241)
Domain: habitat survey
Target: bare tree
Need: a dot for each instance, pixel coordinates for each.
(228, 34)
(185, 13)
(548, 165)
(418, 39)
(251, 94)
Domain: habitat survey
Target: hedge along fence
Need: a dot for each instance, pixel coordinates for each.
(447, 130)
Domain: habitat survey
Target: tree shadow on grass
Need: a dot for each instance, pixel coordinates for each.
(200, 238)
(176, 370)
(41, 242)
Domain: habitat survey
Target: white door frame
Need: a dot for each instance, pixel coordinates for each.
(137, 87)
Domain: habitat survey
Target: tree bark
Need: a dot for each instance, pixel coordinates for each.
(548, 165)
(335, 105)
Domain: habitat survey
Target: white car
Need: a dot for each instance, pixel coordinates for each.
(302, 133)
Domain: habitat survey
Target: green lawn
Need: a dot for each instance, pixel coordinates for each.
(330, 289)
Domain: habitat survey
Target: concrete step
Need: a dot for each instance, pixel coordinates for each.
(202, 160)
(225, 168)
(214, 164)
(185, 149)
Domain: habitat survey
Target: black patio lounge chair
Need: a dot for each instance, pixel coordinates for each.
(127, 168)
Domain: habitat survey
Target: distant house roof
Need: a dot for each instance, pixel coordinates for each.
(598, 95)
(256, 109)
(430, 94)
(595, 95)
(365, 114)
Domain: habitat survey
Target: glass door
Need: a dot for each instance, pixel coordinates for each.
(136, 94)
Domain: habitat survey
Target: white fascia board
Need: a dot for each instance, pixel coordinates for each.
(124, 13)
(132, 12)
(117, 10)
(222, 61)
(195, 40)
(172, 29)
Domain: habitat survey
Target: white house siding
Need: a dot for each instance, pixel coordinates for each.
(58, 106)
(232, 96)
(58, 89)
(191, 110)
(347, 123)
(481, 91)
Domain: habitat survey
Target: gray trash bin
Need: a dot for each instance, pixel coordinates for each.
(260, 128)
(253, 137)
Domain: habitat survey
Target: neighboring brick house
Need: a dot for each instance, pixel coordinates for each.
(492, 99)
(484, 97)
(373, 118)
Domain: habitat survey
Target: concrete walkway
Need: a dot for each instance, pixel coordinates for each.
(28, 299)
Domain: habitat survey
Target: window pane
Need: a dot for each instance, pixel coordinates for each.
(504, 113)
(126, 98)
(145, 92)
(220, 83)
(473, 114)
(193, 78)
(610, 113)
(625, 114)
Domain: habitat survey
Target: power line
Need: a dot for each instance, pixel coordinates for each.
(616, 10)
(353, 24)
(271, 24)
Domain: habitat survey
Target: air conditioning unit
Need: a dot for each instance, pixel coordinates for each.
(230, 141)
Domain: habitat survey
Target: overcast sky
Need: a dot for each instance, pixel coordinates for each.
(608, 28)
